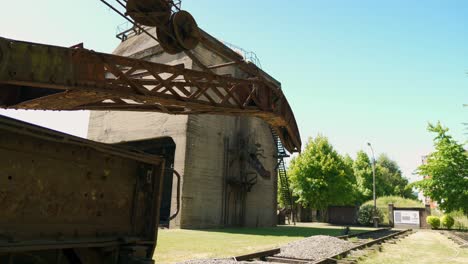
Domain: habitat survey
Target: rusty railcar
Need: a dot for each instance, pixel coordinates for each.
(64, 199)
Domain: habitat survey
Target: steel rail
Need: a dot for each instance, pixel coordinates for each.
(269, 255)
(455, 237)
(364, 233)
(258, 255)
(336, 257)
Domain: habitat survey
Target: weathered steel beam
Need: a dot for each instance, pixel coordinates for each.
(257, 255)
(38, 76)
(223, 65)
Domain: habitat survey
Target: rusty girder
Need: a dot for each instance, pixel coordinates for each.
(38, 76)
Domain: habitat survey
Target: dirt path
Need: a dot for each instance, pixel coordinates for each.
(418, 248)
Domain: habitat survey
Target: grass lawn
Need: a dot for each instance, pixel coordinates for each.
(180, 245)
(418, 248)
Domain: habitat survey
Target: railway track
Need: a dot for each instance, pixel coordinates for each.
(459, 237)
(367, 240)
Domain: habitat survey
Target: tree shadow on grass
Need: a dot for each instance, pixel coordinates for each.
(289, 231)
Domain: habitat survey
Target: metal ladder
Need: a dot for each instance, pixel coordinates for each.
(285, 189)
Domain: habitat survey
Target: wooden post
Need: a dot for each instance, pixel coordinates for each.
(390, 215)
(422, 220)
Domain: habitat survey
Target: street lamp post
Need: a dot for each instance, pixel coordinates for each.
(374, 218)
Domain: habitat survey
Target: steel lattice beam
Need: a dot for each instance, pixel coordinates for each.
(38, 76)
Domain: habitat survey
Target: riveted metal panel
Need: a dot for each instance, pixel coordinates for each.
(59, 191)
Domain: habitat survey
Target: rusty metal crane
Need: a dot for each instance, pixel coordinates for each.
(74, 201)
(38, 76)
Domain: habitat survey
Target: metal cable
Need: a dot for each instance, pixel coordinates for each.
(129, 20)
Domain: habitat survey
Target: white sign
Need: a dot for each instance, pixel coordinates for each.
(406, 217)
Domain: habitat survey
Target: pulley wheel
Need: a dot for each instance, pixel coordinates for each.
(186, 30)
(149, 12)
(167, 40)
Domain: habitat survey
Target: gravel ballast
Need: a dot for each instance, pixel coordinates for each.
(312, 248)
(315, 248)
(217, 261)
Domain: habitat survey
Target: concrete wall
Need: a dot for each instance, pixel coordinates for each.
(203, 179)
(201, 149)
(205, 171)
(117, 127)
(261, 201)
(423, 214)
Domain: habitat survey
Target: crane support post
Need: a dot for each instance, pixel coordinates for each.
(45, 77)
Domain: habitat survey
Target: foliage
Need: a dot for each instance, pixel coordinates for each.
(363, 172)
(365, 214)
(279, 197)
(461, 220)
(446, 170)
(320, 176)
(447, 221)
(388, 177)
(382, 204)
(348, 167)
(462, 226)
(397, 201)
(434, 221)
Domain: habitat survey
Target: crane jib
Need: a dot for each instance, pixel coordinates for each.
(45, 77)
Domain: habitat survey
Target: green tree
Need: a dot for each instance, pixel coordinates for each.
(363, 173)
(390, 179)
(320, 176)
(447, 172)
(351, 178)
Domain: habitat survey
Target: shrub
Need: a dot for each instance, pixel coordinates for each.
(461, 220)
(383, 201)
(447, 221)
(434, 221)
(398, 201)
(365, 214)
(460, 226)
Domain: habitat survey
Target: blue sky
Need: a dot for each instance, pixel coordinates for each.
(355, 71)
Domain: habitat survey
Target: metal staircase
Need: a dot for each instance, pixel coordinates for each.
(284, 187)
